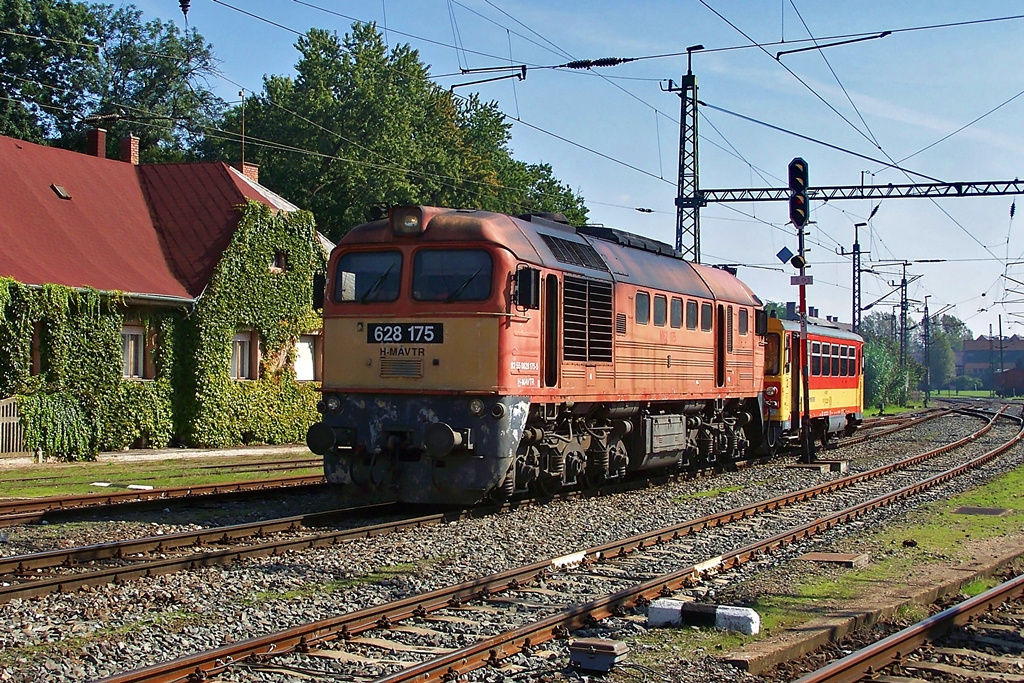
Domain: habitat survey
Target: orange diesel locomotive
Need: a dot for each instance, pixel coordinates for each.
(472, 354)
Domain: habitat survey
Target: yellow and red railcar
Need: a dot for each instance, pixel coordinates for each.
(472, 354)
(835, 381)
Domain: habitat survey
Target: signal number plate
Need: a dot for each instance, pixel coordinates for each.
(405, 333)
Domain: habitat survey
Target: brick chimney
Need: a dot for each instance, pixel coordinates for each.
(130, 149)
(250, 171)
(96, 142)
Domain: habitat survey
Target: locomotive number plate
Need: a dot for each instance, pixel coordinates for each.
(405, 333)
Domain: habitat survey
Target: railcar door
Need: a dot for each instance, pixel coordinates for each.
(720, 337)
(795, 376)
(551, 327)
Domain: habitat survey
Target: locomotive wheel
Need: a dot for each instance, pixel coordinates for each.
(545, 486)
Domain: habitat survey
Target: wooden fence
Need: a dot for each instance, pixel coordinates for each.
(11, 436)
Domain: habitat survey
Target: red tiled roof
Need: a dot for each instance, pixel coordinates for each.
(101, 237)
(156, 229)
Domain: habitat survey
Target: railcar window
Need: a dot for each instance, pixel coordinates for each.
(744, 323)
(705, 317)
(815, 358)
(660, 310)
(844, 368)
(691, 315)
(366, 276)
(643, 308)
(676, 313)
(835, 360)
(771, 353)
(451, 275)
(826, 365)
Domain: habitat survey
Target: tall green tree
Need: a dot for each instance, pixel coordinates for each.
(63, 61)
(361, 127)
(49, 51)
(942, 363)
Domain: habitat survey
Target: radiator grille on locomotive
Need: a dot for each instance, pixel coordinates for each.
(401, 367)
(574, 253)
(587, 311)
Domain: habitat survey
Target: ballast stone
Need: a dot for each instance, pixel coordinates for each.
(672, 612)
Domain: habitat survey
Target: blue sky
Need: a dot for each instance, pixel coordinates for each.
(908, 90)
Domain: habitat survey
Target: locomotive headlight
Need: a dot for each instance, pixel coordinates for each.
(770, 391)
(333, 404)
(476, 406)
(407, 220)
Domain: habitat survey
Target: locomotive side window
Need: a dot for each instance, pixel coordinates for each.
(643, 308)
(835, 360)
(744, 322)
(826, 362)
(366, 276)
(451, 275)
(815, 358)
(844, 368)
(691, 314)
(705, 317)
(771, 353)
(660, 310)
(676, 313)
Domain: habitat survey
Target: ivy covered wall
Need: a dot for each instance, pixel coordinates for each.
(74, 402)
(245, 293)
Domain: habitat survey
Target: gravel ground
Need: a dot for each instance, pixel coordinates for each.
(94, 633)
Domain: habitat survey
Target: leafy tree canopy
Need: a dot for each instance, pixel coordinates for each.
(63, 61)
(360, 128)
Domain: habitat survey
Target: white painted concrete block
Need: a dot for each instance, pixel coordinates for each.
(742, 619)
(665, 612)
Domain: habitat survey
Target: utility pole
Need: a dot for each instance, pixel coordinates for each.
(688, 195)
(927, 353)
(1002, 366)
(856, 253)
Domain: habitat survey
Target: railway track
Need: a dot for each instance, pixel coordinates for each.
(979, 639)
(508, 615)
(33, 510)
(66, 570)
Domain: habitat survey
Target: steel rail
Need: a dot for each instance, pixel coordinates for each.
(871, 659)
(71, 557)
(884, 431)
(200, 665)
(493, 650)
(24, 510)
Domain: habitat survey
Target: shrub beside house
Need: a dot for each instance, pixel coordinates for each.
(144, 305)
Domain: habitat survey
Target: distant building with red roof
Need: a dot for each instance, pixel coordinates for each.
(149, 241)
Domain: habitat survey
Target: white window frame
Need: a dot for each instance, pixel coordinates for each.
(242, 355)
(133, 352)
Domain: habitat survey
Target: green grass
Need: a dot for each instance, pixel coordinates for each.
(940, 536)
(167, 622)
(61, 479)
(707, 494)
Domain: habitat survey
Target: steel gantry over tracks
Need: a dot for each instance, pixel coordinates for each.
(780, 194)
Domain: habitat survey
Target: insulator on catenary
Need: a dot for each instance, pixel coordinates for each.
(604, 61)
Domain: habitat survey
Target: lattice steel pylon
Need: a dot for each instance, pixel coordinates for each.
(688, 196)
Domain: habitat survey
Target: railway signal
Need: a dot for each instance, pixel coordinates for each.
(799, 211)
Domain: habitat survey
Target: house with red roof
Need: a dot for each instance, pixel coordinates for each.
(152, 304)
